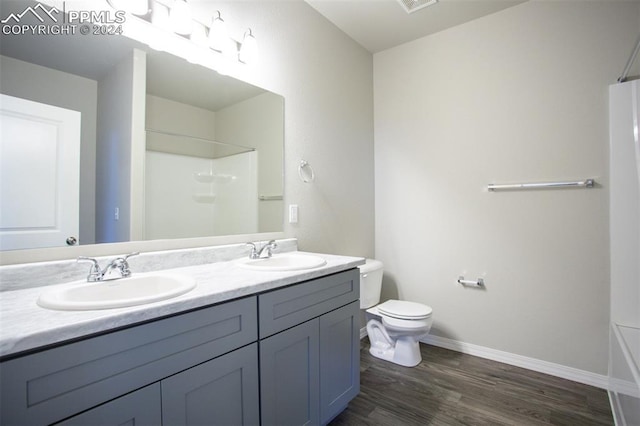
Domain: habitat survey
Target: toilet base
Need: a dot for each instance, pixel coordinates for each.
(402, 350)
(405, 353)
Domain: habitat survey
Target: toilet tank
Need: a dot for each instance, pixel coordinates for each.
(370, 283)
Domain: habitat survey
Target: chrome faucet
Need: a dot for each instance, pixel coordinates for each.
(116, 269)
(266, 248)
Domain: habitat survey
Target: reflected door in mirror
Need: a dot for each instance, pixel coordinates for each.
(39, 174)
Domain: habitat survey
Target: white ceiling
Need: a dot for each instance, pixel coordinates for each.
(381, 24)
(375, 24)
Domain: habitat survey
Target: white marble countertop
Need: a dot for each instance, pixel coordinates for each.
(24, 325)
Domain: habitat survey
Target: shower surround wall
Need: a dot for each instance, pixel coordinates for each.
(190, 196)
(248, 123)
(518, 96)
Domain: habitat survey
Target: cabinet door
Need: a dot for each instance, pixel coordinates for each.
(141, 407)
(339, 360)
(289, 376)
(223, 391)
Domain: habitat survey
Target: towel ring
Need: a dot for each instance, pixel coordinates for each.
(308, 176)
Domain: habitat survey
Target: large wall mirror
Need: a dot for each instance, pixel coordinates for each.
(164, 149)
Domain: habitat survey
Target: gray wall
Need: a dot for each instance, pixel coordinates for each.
(120, 134)
(327, 82)
(258, 122)
(518, 96)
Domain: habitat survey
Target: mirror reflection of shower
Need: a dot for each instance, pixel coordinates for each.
(196, 187)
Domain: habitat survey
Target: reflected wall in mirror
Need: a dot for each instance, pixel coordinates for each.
(153, 128)
(205, 187)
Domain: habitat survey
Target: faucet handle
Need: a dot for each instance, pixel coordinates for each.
(254, 250)
(125, 271)
(82, 259)
(271, 245)
(135, 253)
(94, 273)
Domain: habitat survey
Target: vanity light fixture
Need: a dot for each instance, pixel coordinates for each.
(169, 27)
(249, 49)
(218, 33)
(180, 17)
(135, 7)
(219, 40)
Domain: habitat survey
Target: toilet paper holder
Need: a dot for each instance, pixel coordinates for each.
(471, 283)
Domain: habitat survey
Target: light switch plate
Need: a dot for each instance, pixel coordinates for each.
(293, 213)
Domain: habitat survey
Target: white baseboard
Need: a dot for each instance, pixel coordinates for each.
(363, 333)
(557, 370)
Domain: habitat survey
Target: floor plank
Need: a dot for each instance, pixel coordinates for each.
(450, 388)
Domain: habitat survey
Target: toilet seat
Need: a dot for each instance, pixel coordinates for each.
(403, 324)
(403, 310)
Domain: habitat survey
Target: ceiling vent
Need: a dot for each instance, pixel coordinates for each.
(411, 6)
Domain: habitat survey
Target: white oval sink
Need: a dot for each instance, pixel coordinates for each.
(135, 290)
(283, 262)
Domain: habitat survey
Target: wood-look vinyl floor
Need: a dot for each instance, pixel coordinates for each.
(451, 388)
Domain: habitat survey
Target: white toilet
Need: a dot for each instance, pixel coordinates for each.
(394, 327)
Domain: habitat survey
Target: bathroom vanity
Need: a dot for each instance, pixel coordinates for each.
(281, 349)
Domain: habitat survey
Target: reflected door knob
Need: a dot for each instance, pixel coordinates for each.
(72, 241)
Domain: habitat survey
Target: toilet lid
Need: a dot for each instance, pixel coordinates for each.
(404, 310)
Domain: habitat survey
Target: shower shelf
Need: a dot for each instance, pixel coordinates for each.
(204, 198)
(212, 177)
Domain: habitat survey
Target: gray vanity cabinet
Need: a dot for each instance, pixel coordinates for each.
(309, 350)
(55, 384)
(283, 357)
(223, 391)
(141, 407)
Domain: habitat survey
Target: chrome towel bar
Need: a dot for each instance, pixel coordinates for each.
(587, 183)
(269, 197)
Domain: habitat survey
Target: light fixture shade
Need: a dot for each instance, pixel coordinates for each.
(218, 34)
(136, 7)
(249, 49)
(180, 17)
